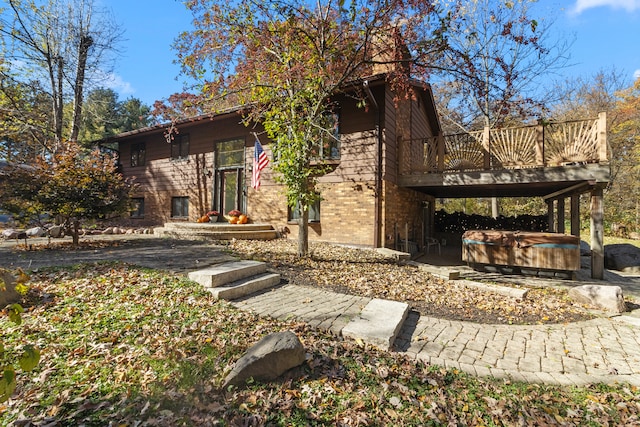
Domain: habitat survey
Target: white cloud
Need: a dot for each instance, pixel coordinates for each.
(117, 83)
(636, 74)
(628, 5)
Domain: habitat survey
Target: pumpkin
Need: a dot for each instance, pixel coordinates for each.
(204, 218)
(233, 220)
(242, 219)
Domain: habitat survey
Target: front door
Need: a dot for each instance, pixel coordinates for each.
(231, 189)
(229, 183)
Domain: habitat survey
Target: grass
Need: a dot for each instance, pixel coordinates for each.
(129, 346)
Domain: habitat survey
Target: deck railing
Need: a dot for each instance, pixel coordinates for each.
(546, 144)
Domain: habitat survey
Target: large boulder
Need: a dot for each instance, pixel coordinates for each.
(56, 231)
(36, 232)
(622, 257)
(8, 293)
(608, 298)
(268, 359)
(11, 233)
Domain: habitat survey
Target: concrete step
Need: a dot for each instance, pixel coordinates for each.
(216, 231)
(216, 226)
(221, 274)
(378, 324)
(244, 287)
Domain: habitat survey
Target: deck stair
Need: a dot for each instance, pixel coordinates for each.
(235, 279)
(216, 231)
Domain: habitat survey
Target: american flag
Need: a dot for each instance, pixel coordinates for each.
(260, 161)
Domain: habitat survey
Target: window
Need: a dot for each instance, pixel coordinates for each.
(179, 207)
(180, 147)
(230, 153)
(137, 154)
(137, 204)
(314, 213)
(329, 148)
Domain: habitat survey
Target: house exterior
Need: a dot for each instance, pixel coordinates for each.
(206, 165)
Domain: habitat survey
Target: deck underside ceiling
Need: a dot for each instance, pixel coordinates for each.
(532, 182)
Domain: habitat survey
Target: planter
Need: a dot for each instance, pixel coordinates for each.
(213, 219)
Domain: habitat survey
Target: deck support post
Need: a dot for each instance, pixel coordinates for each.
(575, 215)
(597, 233)
(560, 215)
(551, 216)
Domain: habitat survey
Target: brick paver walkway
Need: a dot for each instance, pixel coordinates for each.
(600, 350)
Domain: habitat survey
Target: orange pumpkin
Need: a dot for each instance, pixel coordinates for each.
(242, 219)
(204, 218)
(233, 220)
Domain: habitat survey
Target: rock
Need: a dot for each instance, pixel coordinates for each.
(36, 232)
(11, 233)
(108, 230)
(608, 298)
(635, 236)
(8, 295)
(622, 257)
(56, 231)
(585, 249)
(269, 358)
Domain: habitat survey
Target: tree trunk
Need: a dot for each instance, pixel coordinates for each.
(75, 231)
(56, 76)
(303, 233)
(83, 53)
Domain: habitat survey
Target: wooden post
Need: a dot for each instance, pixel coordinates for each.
(486, 144)
(406, 237)
(603, 152)
(551, 215)
(561, 215)
(540, 144)
(575, 215)
(441, 152)
(597, 234)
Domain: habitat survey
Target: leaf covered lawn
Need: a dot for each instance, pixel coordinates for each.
(125, 346)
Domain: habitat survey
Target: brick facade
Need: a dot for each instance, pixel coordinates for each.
(349, 203)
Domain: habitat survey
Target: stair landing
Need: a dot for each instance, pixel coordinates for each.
(216, 231)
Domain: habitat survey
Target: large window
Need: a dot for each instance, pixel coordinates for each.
(180, 147)
(230, 153)
(138, 154)
(179, 207)
(138, 207)
(314, 213)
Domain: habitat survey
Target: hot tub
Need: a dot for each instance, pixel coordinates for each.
(533, 250)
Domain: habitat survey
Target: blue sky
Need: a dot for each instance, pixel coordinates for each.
(606, 32)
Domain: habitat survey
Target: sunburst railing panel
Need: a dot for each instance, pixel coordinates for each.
(547, 144)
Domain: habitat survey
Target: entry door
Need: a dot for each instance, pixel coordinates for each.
(229, 187)
(231, 196)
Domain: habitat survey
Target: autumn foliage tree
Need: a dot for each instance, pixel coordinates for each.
(625, 191)
(71, 186)
(285, 60)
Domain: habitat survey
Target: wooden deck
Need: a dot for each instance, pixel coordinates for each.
(538, 160)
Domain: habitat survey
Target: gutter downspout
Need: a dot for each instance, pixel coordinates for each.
(378, 179)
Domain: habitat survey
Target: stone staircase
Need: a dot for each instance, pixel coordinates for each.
(235, 279)
(216, 231)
